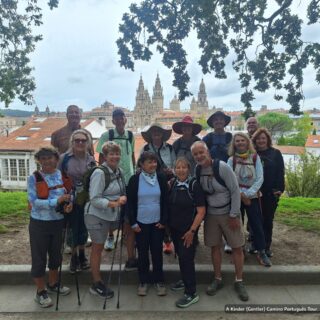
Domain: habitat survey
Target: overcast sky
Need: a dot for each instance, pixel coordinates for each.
(77, 63)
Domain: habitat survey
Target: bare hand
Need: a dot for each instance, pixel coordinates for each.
(277, 193)
(137, 229)
(188, 239)
(159, 225)
(246, 201)
(234, 223)
(64, 198)
(67, 208)
(122, 200)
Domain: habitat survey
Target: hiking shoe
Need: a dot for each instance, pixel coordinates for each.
(269, 253)
(161, 289)
(241, 291)
(216, 285)
(109, 244)
(74, 264)
(263, 259)
(177, 286)
(227, 249)
(99, 289)
(142, 289)
(252, 249)
(84, 263)
(131, 264)
(43, 299)
(64, 291)
(167, 247)
(187, 300)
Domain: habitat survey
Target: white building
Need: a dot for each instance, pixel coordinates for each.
(18, 149)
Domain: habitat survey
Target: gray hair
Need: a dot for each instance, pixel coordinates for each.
(198, 144)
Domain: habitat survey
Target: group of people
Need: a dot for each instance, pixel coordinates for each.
(163, 197)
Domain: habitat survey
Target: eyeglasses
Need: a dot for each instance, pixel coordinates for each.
(80, 140)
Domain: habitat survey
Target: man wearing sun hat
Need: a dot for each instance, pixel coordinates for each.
(218, 141)
(189, 130)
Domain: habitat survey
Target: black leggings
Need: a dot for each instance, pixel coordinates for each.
(45, 239)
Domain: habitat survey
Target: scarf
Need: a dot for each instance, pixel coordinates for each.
(150, 178)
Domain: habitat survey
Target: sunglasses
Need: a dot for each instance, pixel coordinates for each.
(80, 140)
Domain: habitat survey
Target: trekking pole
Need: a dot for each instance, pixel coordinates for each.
(112, 263)
(120, 264)
(64, 231)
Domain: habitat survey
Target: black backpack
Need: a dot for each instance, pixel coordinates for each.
(215, 169)
(173, 189)
(129, 139)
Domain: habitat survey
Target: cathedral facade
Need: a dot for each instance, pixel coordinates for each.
(146, 111)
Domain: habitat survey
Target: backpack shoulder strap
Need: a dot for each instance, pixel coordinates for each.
(234, 163)
(197, 172)
(228, 137)
(38, 176)
(130, 136)
(106, 175)
(177, 146)
(254, 159)
(64, 164)
(191, 185)
(111, 134)
(215, 168)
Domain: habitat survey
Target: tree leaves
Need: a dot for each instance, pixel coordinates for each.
(225, 27)
(17, 41)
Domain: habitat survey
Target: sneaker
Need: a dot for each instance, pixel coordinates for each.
(227, 249)
(84, 263)
(64, 291)
(74, 264)
(99, 289)
(252, 249)
(269, 253)
(263, 259)
(177, 286)
(109, 244)
(167, 247)
(43, 299)
(161, 289)
(216, 285)
(131, 264)
(142, 289)
(241, 291)
(67, 250)
(187, 300)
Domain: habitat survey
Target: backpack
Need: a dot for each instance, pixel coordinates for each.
(234, 161)
(173, 190)
(177, 146)
(43, 189)
(216, 173)
(211, 143)
(112, 137)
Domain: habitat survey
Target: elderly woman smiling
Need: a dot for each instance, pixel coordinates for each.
(102, 213)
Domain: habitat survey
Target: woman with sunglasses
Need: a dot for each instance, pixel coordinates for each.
(75, 163)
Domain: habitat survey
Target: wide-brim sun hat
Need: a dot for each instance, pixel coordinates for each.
(227, 119)
(146, 132)
(187, 120)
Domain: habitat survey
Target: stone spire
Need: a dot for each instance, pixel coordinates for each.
(175, 104)
(157, 97)
(202, 96)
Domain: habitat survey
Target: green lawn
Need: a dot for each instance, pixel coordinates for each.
(13, 210)
(299, 212)
(303, 213)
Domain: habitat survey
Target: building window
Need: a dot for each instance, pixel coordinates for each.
(5, 169)
(15, 169)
